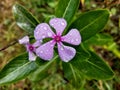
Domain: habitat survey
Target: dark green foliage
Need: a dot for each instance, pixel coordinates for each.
(85, 65)
(24, 19)
(90, 23)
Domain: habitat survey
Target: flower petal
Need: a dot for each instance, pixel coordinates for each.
(45, 51)
(37, 43)
(73, 37)
(24, 40)
(32, 56)
(58, 24)
(42, 31)
(66, 53)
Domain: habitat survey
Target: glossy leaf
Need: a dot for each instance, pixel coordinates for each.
(99, 39)
(24, 19)
(17, 69)
(90, 23)
(67, 9)
(86, 65)
(42, 71)
(71, 72)
(94, 67)
(72, 75)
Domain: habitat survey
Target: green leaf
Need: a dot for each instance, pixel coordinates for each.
(42, 70)
(17, 69)
(24, 19)
(90, 23)
(73, 75)
(67, 9)
(99, 39)
(86, 65)
(71, 72)
(94, 68)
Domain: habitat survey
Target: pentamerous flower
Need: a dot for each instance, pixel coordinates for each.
(31, 48)
(46, 51)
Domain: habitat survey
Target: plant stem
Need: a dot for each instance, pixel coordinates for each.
(7, 46)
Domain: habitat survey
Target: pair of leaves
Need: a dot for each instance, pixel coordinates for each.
(20, 67)
(86, 64)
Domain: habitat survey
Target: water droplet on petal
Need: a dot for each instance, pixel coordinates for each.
(62, 48)
(43, 36)
(76, 39)
(49, 34)
(41, 51)
(52, 24)
(70, 34)
(41, 41)
(72, 41)
(63, 23)
(45, 28)
(37, 32)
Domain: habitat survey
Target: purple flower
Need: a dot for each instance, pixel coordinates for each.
(31, 48)
(46, 51)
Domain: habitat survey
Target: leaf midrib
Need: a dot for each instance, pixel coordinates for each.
(15, 71)
(86, 60)
(99, 39)
(96, 66)
(73, 73)
(66, 8)
(92, 22)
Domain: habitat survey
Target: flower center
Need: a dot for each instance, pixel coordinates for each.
(31, 48)
(57, 38)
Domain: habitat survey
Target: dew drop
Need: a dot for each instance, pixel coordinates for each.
(52, 24)
(62, 48)
(45, 28)
(41, 51)
(37, 32)
(43, 36)
(72, 41)
(49, 34)
(41, 41)
(76, 39)
(70, 34)
(55, 20)
(41, 26)
(63, 23)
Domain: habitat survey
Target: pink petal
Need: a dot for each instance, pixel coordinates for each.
(42, 31)
(32, 56)
(66, 53)
(24, 40)
(45, 51)
(73, 37)
(58, 24)
(37, 43)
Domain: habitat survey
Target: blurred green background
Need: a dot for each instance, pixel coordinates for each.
(42, 9)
